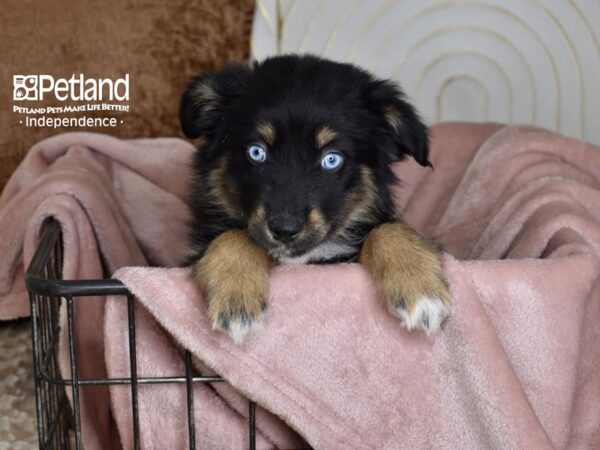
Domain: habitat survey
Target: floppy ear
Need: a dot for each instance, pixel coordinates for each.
(206, 98)
(400, 119)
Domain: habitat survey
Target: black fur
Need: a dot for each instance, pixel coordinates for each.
(374, 126)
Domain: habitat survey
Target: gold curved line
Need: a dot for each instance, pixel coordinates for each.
(285, 19)
(504, 11)
(285, 11)
(438, 97)
(591, 34)
(311, 23)
(264, 11)
(447, 28)
(587, 27)
(549, 14)
(546, 51)
(337, 26)
(252, 50)
(279, 15)
(389, 36)
(363, 31)
(428, 67)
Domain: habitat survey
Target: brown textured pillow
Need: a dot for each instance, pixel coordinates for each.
(159, 43)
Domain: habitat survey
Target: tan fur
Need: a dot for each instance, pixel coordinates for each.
(359, 203)
(324, 136)
(256, 221)
(223, 190)
(394, 118)
(406, 267)
(234, 274)
(267, 131)
(205, 95)
(259, 213)
(316, 221)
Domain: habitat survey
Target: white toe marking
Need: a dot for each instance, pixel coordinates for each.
(427, 314)
(239, 329)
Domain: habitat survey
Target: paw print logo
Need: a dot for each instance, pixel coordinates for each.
(25, 87)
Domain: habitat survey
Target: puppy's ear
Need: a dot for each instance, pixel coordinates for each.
(206, 98)
(401, 121)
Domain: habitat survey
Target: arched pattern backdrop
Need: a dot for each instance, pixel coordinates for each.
(514, 61)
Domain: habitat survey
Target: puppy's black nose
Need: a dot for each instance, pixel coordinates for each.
(285, 229)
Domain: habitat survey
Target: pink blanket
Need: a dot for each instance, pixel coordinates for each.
(516, 365)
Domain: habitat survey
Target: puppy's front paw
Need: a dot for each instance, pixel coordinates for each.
(234, 274)
(236, 312)
(426, 312)
(408, 272)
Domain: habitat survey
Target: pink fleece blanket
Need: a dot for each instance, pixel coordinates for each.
(517, 364)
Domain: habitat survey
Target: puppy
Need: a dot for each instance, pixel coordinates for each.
(294, 167)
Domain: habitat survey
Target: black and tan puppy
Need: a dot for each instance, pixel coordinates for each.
(295, 167)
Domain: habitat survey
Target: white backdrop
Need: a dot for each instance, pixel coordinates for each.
(513, 61)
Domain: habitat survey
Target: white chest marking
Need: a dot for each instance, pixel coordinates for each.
(325, 251)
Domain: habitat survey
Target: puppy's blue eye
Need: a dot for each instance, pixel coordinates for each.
(332, 161)
(257, 154)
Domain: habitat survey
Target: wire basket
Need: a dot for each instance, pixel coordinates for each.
(58, 419)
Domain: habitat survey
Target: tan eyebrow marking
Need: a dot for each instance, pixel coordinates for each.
(205, 95)
(267, 131)
(324, 136)
(394, 118)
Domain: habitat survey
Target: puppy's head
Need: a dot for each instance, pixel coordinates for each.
(299, 148)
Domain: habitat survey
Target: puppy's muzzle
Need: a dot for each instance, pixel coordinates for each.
(285, 229)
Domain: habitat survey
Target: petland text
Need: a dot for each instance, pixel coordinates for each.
(75, 88)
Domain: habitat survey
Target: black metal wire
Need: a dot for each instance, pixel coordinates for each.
(58, 420)
(133, 368)
(252, 425)
(190, 400)
(74, 371)
(36, 370)
(140, 380)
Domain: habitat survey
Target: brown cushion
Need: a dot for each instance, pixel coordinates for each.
(159, 43)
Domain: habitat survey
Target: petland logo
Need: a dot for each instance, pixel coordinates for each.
(76, 88)
(103, 99)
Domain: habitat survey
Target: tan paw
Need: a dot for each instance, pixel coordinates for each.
(236, 313)
(408, 272)
(234, 275)
(426, 313)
